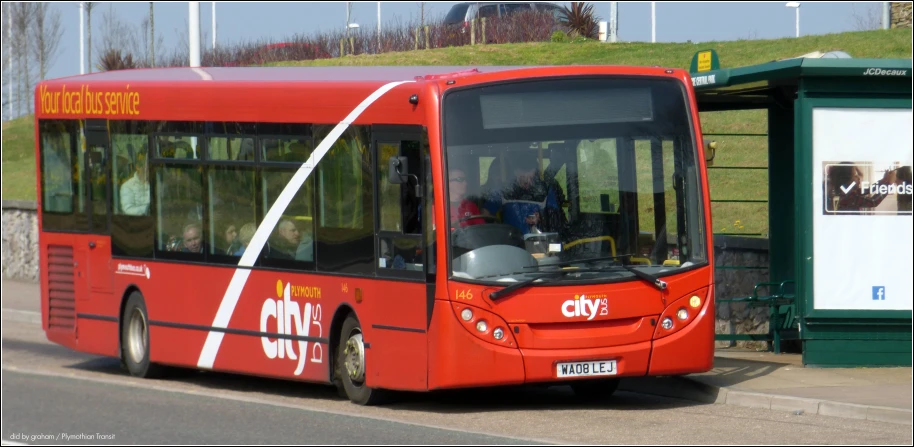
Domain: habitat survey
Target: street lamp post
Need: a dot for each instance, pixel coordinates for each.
(653, 22)
(348, 13)
(796, 6)
(82, 39)
(194, 33)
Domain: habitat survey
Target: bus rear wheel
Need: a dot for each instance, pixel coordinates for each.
(135, 339)
(352, 368)
(595, 390)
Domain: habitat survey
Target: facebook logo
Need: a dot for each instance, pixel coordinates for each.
(878, 293)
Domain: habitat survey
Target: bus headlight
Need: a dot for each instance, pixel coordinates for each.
(682, 314)
(667, 323)
(484, 325)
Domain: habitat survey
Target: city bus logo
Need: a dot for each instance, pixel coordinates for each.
(581, 306)
(284, 316)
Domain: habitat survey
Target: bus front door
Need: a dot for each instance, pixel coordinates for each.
(98, 240)
(92, 250)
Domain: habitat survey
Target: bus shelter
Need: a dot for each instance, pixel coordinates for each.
(839, 198)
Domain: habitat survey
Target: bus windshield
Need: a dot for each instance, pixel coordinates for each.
(598, 173)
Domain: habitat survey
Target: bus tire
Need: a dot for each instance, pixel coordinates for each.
(595, 390)
(351, 361)
(135, 339)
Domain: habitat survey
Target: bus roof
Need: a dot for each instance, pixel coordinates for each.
(278, 94)
(283, 74)
(369, 74)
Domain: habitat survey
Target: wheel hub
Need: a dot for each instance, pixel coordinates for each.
(136, 344)
(355, 358)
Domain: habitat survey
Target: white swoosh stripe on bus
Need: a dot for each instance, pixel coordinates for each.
(203, 74)
(232, 294)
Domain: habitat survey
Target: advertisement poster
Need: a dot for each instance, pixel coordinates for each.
(862, 221)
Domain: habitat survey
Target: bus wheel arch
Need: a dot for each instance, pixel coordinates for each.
(346, 343)
(336, 326)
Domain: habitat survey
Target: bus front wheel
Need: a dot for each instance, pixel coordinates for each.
(135, 339)
(352, 368)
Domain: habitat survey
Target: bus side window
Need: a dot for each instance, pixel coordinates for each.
(345, 203)
(292, 239)
(231, 201)
(179, 198)
(399, 241)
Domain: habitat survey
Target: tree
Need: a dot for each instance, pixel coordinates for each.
(580, 20)
(122, 45)
(23, 15)
(112, 59)
(6, 30)
(115, 34)
(868, 19)
(88, 6)
(46, 35)
(149, 46)
(152, 37)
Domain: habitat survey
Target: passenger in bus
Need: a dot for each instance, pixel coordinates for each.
(231, 239)
(192, 239)
(461, 207)
(134, 192)
(298, 153)
(184, 150)
(287, 243)
(245, 234)
(529, 203)
(247, 150)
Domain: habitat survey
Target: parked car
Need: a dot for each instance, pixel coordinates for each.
(461, 14)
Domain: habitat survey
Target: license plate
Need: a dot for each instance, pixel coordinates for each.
(586, 369)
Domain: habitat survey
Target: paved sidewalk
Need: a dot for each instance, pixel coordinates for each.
(781, 382)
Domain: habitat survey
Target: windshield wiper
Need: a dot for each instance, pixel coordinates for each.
(517, 286)
(547, 275)
(657, 282)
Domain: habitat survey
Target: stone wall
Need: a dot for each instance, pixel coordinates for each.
(901, 14)
(20, 241)
(733, 279)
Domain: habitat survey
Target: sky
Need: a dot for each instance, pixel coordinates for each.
(245, 21)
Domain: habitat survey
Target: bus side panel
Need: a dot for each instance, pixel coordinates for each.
(691, 349)
(186, 296)
(98, 310)
(393, 320)
(458, 358)
(98, 337)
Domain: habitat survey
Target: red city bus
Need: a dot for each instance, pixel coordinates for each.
(291, 223)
